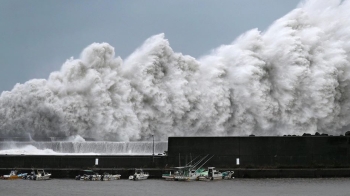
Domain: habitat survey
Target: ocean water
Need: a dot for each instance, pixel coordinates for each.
(261, 187)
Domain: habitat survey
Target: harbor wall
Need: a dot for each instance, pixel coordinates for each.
(68, 166)
(263, 152)
(259, 157)
(80, 161)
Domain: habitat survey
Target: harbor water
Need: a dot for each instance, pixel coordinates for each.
(261, 187)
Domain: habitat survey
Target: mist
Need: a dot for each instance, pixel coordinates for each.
(292, 78)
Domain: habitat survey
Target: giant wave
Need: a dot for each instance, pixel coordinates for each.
(292, 78)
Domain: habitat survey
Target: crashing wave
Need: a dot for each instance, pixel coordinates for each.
(291, 79)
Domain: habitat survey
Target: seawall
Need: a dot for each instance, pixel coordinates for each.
(263, 152)
(259, 157)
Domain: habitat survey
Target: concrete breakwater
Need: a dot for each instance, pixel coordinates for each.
(249, 157)
(264, 152)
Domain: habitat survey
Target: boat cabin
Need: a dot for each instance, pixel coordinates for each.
(212, 172)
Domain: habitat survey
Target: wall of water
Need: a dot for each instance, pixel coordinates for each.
(291, 79)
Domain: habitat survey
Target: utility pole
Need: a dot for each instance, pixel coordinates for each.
(153, 149)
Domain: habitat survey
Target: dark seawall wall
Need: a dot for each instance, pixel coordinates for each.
(68, 166)
(79, 161)
(253, 152)
(263, 152)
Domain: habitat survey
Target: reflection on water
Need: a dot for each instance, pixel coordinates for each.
(261, 187)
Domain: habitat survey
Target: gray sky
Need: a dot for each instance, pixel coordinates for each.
(37, 36)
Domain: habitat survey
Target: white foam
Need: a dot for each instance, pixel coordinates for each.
(29, 150)
(291, 79)
(83, 148)
(76, 138)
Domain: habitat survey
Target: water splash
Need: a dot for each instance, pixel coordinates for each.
(291, 79)
(30, 137)
(79, 148)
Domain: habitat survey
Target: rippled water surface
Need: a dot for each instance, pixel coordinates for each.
(261, 187)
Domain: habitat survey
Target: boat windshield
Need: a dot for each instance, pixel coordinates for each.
(88, 172)
(138, 171)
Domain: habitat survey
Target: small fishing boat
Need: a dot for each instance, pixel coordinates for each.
(227, 175)
(187, 173)
(170, 176)
(38, 174)
(190, 172)
(13, 175)
(109, 177)
(210, 174)
(139, 175)
(90, 175)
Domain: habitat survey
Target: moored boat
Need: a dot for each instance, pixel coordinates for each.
(213, 174)
(38, 174)
(227, 175)
(190, 172)
(109, 177)
(169, 176)
(13, 175)
(139, 175)
(210, 174)
(90, 175)
(187, 173)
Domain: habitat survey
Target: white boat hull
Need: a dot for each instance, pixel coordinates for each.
(45, 177)
(91, 178)
(206, 178)
(111, 177)
(38, 175)
(138, 177)
(213, 174)
(186, 178)
(168, 177)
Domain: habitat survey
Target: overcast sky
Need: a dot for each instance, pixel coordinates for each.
(37, 36)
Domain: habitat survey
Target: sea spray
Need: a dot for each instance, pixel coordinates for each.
(83, 148)
(291, 79)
